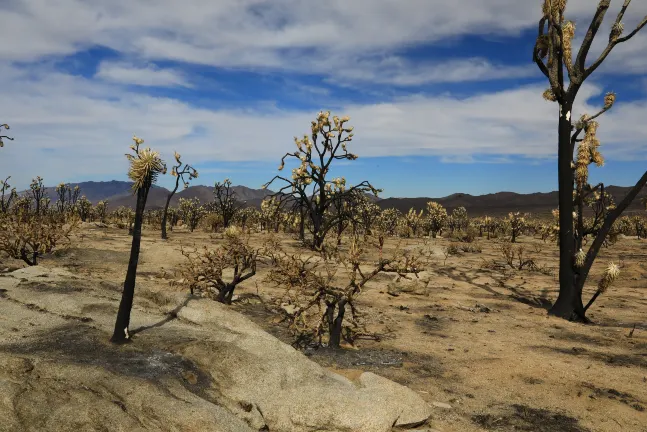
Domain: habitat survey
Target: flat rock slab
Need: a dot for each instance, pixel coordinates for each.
(209, 369)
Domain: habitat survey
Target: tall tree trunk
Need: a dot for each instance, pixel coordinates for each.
(120, 334)
(567, 299)
(168, 202)
(335, 326)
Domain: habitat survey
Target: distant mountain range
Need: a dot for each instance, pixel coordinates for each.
(118, 193)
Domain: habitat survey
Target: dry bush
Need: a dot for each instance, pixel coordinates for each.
(471, 247)
(316, 301)
(205, 271)
(451, 250)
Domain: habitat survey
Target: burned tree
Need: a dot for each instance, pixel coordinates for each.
(178, 171)
(145, 166)
(310, 184)
(204, 272)
(553, 54)
(6, 199)
(318, 307)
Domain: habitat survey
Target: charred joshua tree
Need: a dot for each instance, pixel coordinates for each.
(145, 166)
(553, 54)
(178, 171)
(6, 199)
(310, 183)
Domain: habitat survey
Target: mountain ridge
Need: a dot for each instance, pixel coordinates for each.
(118, 193)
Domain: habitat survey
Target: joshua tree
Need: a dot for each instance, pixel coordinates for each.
(191, 211)
(310, 184)
(145, 166)
(6, 126)
(553, 54)
(178, 171)
(226, 203)
(5, 200)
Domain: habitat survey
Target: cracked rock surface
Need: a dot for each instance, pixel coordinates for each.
(204, 368)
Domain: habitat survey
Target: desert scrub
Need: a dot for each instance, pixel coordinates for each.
(318, 305)
(205, 272)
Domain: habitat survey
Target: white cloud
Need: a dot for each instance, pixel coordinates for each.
(148, 75)
(336, 37)
(88, 126)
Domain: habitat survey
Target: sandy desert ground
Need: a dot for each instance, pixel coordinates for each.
(476, 343)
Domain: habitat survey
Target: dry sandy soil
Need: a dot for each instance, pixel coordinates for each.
(475, 342)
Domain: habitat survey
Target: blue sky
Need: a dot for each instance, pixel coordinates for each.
(443, 95)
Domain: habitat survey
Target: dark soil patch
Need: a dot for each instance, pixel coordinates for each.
(84, 345)
(622, 397)
(624, 360)
(525, 418)
(87, 256)
(53, 287)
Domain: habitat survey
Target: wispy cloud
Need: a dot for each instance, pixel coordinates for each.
(148, 75)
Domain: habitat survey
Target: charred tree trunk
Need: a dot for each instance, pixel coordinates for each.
(120, 334)
(226, 294)
(335, 325)
(168, 202)
(567, 299)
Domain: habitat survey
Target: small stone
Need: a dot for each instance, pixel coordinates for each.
(441, 405)
(190, 377)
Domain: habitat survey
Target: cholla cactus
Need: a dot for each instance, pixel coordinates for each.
(145, 167)
(84, 207)
(458, 219)
(27, 235)
(517, 223)
(437, 218)
(414, 220)
(270, 208)
(6, 127)
(101, 210)
(192, 212)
